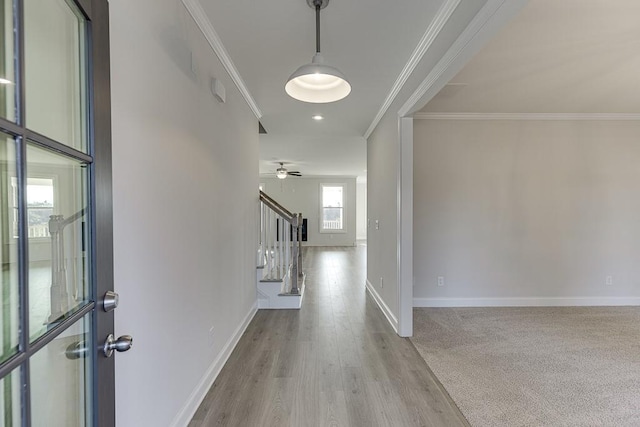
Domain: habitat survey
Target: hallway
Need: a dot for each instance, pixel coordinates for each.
(335, 362)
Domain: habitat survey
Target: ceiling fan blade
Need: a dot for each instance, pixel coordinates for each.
(294, 174)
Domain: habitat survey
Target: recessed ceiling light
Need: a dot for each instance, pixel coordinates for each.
(5, 81)
(317, 117)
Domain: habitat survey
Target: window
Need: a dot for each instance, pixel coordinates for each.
(40, 205)
(332, 208)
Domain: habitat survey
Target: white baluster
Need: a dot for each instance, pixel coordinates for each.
(274, 227)
(274, 236)
(280, 246)
(275, 245)
(264, 232)
(287, 240)
(260, 231)
(270, 243)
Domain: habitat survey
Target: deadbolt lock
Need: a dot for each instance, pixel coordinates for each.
(110, 301)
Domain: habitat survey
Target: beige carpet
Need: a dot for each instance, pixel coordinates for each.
(569, 366)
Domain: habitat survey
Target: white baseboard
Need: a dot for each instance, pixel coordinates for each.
(526, 302)
(197, 396)
(393, 320)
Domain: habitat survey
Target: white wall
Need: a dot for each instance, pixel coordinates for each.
(303, 195)
(382, 171)
(383, 159)
(361, 210)
(185, 234)
(528, 211)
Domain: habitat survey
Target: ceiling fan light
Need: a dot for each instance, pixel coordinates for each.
(281, 173)
(317, 83)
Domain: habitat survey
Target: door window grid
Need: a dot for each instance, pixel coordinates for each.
(7, 71)
(10, 399)
(40, 205)
(9, 313)
(15, 371)
(56, 94)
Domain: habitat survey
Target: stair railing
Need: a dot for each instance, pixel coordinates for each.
(280, 243)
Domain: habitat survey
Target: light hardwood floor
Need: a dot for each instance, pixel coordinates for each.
(335, 362)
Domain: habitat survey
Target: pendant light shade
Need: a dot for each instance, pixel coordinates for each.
(317, 82)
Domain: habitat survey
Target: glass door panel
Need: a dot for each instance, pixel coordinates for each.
(52, 282)
(55, 71)
(7, 71)
(10, 400)
(60, 379)
(57, 216)
(9, 324)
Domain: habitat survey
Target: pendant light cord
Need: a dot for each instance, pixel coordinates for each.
(317, 3)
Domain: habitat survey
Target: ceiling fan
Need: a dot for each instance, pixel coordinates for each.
(282, 172)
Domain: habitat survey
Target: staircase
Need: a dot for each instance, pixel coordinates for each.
(279, 274)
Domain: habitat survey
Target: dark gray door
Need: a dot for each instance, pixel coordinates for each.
(55, 214)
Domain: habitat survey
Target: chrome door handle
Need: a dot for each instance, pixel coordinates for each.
(123, 343)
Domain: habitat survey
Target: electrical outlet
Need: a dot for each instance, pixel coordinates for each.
(440, 280)
(608, 281)
(381, 283)
(377, 225)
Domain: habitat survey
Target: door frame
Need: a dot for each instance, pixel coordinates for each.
(101, 177)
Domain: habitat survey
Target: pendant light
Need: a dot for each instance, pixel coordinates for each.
(317, 82)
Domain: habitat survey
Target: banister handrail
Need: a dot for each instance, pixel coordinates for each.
(280, 246)
(281, 210)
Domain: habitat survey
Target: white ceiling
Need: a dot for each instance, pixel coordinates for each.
(315, 155)
(569, 56)
(370, 41)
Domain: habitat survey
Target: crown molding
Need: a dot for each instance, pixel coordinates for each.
(485, 19)
(204, 24)
(529, 116)
(441, 18)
